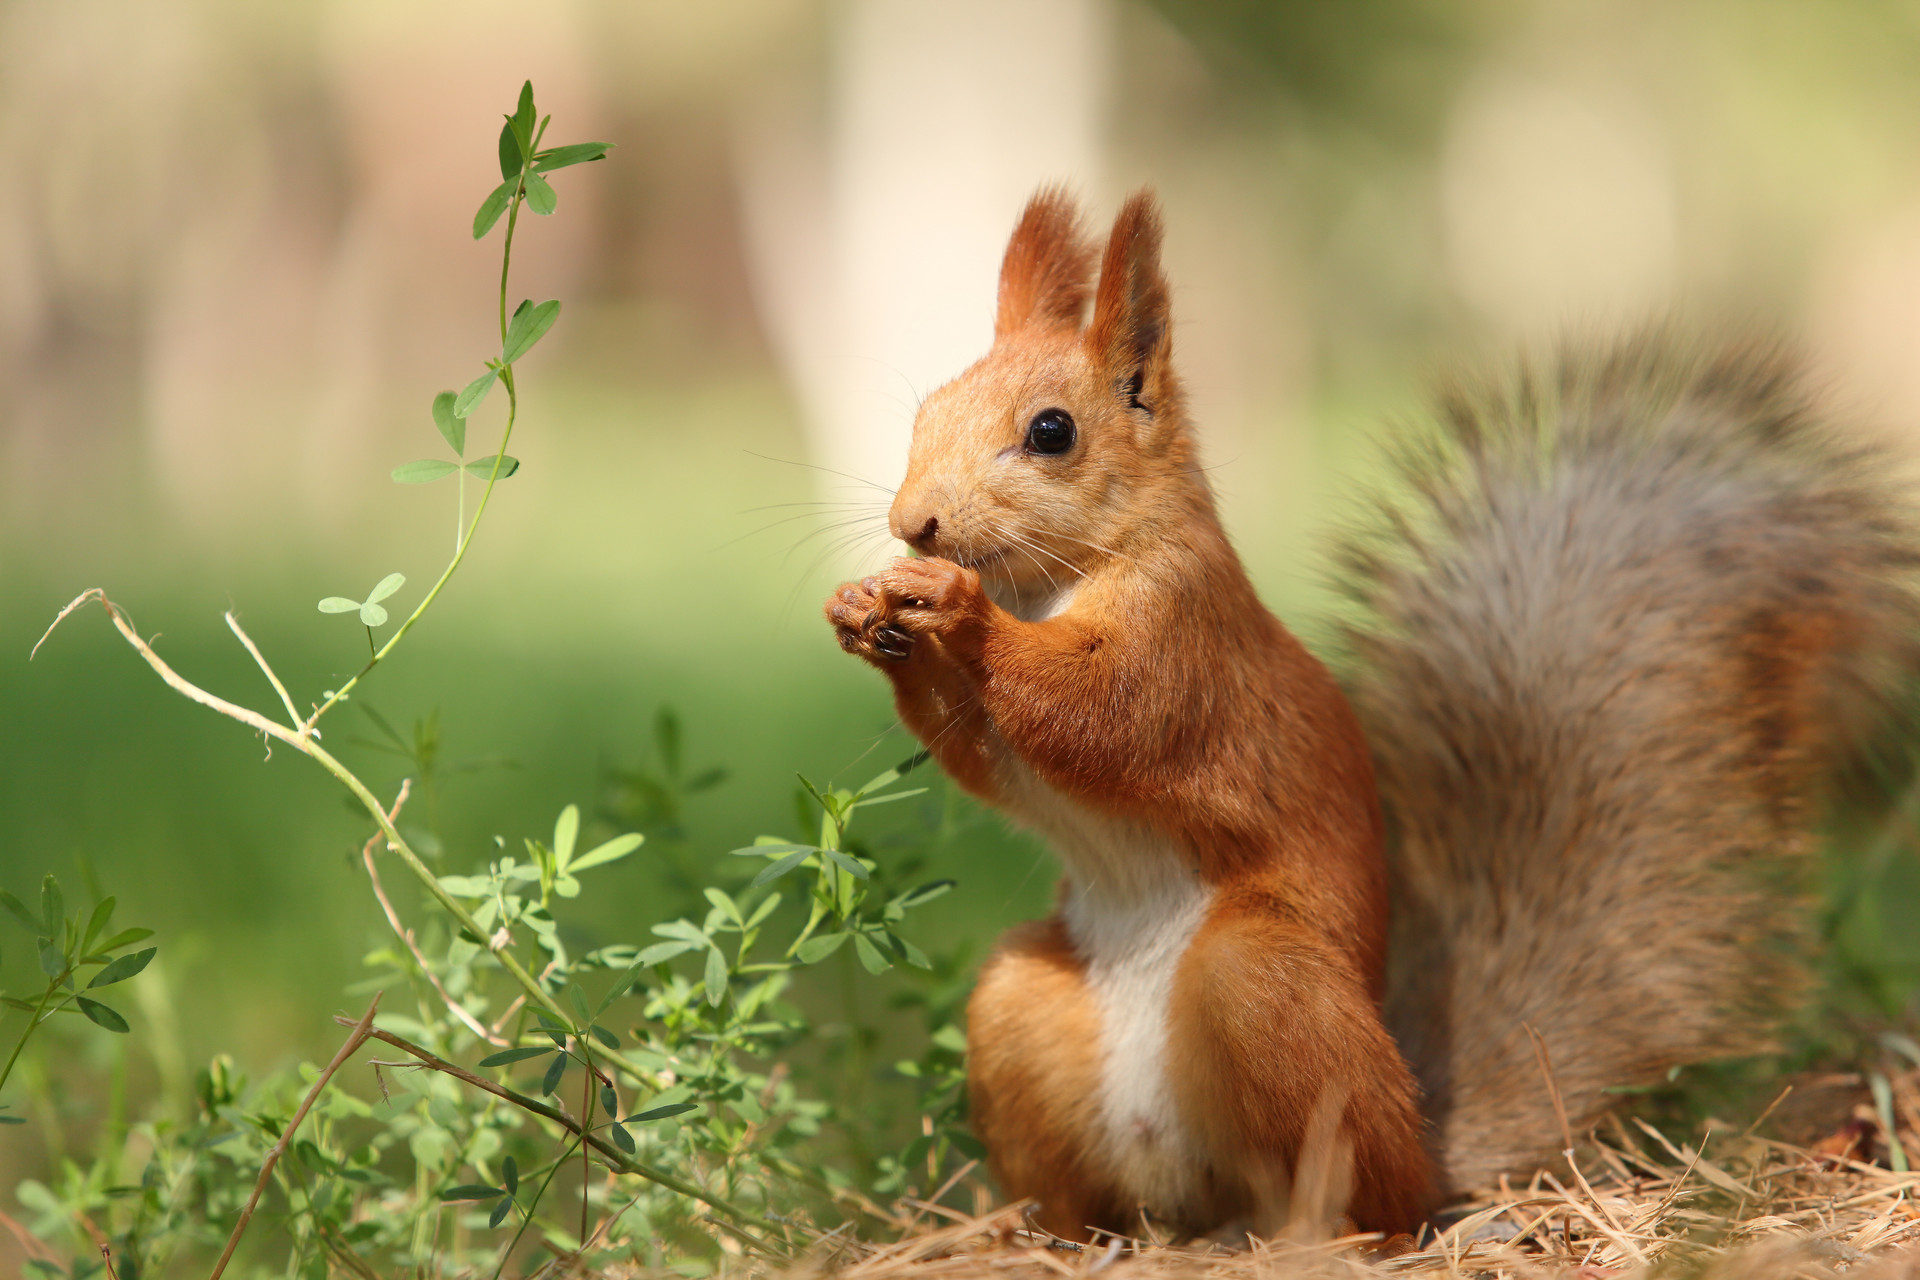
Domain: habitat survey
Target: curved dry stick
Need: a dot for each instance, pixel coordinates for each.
(302, 740)
(233, 625)
(405, 934)
(361, 1031)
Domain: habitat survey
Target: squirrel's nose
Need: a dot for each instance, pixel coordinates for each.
(917, 529)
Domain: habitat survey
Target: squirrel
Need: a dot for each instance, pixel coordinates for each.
(1379, 944)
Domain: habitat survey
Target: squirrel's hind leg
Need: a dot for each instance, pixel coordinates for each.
(1033, 1079)
(1302, 1101)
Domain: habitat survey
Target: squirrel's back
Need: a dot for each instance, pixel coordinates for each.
(1632, 610)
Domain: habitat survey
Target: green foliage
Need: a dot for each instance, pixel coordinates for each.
(67, 946)
(372, 612)
(637, 1099)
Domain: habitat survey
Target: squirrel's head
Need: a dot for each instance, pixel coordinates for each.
(1063, 442)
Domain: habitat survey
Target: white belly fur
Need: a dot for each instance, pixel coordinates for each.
(1132, 906)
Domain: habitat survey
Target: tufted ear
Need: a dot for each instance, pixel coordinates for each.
(1047, 268)
(1131, 336)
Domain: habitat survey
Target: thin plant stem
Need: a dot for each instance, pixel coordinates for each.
(526, 1214)
(405, 934)
(26, 1033)
(586, 1126)
(610, 1154)
(513, 213)
(464, 539)
(459, 554)
(361, 1031)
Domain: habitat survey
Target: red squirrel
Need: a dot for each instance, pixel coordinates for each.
(1607, 649)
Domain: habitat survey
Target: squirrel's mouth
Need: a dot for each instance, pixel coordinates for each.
(981, 560)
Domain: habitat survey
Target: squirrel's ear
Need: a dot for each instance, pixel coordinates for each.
(1131, 336)
(1047, 268)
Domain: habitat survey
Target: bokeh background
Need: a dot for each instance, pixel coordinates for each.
(235, 266)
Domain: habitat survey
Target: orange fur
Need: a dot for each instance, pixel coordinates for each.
(1082, 647)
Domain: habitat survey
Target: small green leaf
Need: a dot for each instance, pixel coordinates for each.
(483, 467)
(373, 615)
(967, 1145)
(819, 947)
(505, 1056)
(764, 910)
(555, 1070)
(491, 208)
(540, 195)
(386, 587)
(889, 798)
(102, 912)
(716, 977)
(102, 1016)
(609, 1100)
(870, 957)
(123, 968)
(910, 953)
(662, 1113)
(579, 999)
(510, 1174)
(53, 961)
(925, 893)
(500, 1211)
(125, 938)
(453, 430)
(509, 153)
(774, 870)
(772, 847)
(685, 930)
(846, 863)
(13, 1119)
(19, 911)
(338, 604)
(425, 471)
(523, 115)
(470, 397)
(53, 907)
(528, 326)
(618, 847)
(621, 1138)
(604, 1036)
(565, 831)
(471, 1191)
(660, 952)
(571, 154)
(719, 898)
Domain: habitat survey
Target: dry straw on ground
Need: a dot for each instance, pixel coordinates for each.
(1633, 1201)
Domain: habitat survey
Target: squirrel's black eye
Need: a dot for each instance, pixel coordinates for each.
(1051, 431)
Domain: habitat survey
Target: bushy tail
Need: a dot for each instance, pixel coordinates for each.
(1615, 636)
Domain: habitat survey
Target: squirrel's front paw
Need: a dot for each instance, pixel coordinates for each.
(853, 612)
(880, 617)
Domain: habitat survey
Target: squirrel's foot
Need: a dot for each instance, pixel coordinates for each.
(881, 616)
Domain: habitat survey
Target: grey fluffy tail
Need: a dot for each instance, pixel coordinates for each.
(1628, 615)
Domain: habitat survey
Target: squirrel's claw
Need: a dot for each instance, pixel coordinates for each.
(893, 642)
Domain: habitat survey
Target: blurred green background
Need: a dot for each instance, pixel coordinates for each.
(234, 268)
